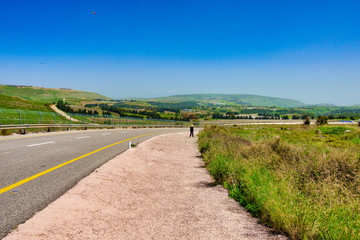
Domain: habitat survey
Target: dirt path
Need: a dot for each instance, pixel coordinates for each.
(53, 107)
(158, 190)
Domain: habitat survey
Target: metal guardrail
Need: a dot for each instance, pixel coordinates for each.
(27, 126)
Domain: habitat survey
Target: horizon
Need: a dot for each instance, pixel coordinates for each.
(308, 51)
(136, 98)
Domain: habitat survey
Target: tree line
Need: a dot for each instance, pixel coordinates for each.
(66, 108)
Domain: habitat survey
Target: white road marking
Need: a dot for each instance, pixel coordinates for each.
(82, 137)
(105, 134)
(38, 144)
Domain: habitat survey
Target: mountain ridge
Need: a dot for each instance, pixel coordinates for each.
(241, 99)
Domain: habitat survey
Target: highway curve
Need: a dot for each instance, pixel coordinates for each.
(38, 168)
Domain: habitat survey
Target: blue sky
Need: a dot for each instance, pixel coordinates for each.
(304, 50)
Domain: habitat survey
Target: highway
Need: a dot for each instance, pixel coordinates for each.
(36, 169)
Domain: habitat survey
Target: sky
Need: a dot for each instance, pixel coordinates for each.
(303, 50)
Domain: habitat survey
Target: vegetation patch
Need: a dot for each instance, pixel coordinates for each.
(295, 180)
(9, 102)
(333, 130)
(48, 95)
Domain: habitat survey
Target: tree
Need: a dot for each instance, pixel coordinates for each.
(286, 117)
(60, 105)
(307, 121)
(321, 120)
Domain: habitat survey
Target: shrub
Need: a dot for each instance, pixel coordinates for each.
(307, 121)
(4, 132)
(322, 120)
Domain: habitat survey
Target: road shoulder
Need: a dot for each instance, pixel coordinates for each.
(158, 190)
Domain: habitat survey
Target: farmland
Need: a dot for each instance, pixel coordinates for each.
(302, 181)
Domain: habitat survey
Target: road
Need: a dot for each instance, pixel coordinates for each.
(36, 169)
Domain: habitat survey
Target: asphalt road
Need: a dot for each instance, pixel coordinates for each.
(23, 157)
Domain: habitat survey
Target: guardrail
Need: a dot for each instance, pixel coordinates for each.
(27, 126)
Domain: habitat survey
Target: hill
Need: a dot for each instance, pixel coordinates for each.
(16, 102)
(241, 99)
(49, 95)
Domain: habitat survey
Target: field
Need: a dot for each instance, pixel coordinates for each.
(302, 181)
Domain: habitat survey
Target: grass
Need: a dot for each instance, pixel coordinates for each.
(49, 95)
(16, 102)
(11, 116)
(303, 182)
(333, 130)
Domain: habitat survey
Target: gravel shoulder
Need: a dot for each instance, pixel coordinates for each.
(157, 190)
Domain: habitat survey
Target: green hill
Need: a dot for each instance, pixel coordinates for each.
(16, 102)
(49, 95)
(242, 99)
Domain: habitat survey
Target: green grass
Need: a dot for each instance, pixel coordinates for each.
(15, 102)
(11, 116)
(304, 182)
(333, 130)
(47, 95)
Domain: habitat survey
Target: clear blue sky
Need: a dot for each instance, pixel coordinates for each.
(304, 50)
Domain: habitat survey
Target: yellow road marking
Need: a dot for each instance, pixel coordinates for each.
(5, 189)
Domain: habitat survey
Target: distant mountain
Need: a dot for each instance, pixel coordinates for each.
(242, 99)
(48, 95)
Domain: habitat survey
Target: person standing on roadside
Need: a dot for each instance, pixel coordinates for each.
(192, 131)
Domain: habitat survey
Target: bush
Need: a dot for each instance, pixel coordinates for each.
(322, 120)
(307, 121)
(4, 132)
